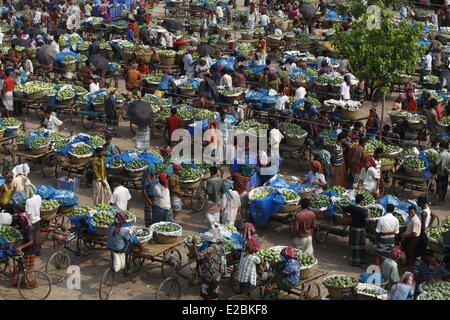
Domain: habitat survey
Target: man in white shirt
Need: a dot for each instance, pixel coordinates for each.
(428, 64)
(33, 210)
(169, 39)
(264, 20)
(345, 88)
(226, 80)
(51, 122)
(387, 227)
(188, 63)
(219, 11)
(162, 41)
(37, 17)
(161, 200)
(300, 93)
(95, 85)
(275, 136)
(121, 196)
(70, 22)
(282, 101)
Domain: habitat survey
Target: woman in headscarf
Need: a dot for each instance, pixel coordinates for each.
(262, 50)
(213, 265)
(29, 247)
(287, 274)
(373, 124)
(404, 289)
(162, 208)
(369, 177)
(148, 183)
(410, 103)
(119, 238)
(316, 177)
(230, 204)
(325, 161)
(247, 267)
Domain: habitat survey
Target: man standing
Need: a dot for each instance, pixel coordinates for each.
(230, 204)
(121, 196)
(112, 117)
(442, 162)
(214, 188)
(161, 202)
(148, 183)
(304, 224)
(8, 88)
(345, 88)
(357, 154)
(102, 191)
(132, 78)
(188, 63)
(427, 67)
(172, 123)
(357, 237)
(338, 171)
(33, 210)
(411, 236)
(387, 228)
(175, 191)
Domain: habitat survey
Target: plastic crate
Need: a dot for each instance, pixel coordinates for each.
(64, 184)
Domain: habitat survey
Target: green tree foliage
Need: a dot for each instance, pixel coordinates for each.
(355, 8)
(380, 55)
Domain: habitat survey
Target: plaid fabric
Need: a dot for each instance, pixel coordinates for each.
(356, 161)
(247, 269)
(384, 246)
(357, 242)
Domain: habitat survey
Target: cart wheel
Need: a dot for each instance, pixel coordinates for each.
(34, 285)
(320, 235)
(198, 198)
(48, 165)
(106, 284)
(234, 283)
(56, 267)
(135, 263)
(312, 291)
(62, 222)
(169, 289)
(170, 263)
(87, 122)
(305, 157)
(87, 176)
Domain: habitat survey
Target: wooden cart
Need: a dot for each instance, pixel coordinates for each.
(83, 169)
(47, 161)
(401, 181)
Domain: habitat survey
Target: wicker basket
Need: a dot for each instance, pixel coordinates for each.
(35, 95)
(145, 58)
(413, 173)
(118, 170)
(295, 141)
(387, 167)
(273, 42)
(21, 147)
(40, 150)
(188, 92)
(289, 208)
(101, 231)
(19, 94)
(306, 195)
(350, 115)
(283, 26)
(190, 185)
(396, 117)
(195, 27)
(232, 99)
(49, 215)
(79, 161)
(415, 125)
(66, 101)
(135, 173)
(247, 36)
(162, 238)
(381, 285)
(336, 293)
(176, 4)
(69, 66)
(62, 161)
(167, 60)
(99, 107)
(308, 271)
(65, 210)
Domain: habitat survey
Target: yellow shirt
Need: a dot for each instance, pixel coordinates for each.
(99, 169)
(5, 197)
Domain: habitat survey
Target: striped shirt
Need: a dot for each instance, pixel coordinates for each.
(339, 155)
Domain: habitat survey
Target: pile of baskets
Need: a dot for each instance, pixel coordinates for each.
(167, 60)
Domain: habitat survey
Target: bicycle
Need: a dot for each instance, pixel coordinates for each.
(32, 284)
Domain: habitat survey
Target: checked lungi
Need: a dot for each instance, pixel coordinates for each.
(28, 260)
(384, 246)
(357, 243)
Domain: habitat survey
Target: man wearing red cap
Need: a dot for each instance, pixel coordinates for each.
(161, 204)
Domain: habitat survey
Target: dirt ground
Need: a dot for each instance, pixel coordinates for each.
(332, 255)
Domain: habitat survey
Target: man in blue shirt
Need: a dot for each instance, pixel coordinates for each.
(112, 117)
(166, 81)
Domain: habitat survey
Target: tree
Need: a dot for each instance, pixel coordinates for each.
(379, 56)
(356, 8)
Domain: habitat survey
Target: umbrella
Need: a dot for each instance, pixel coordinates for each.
(99, 62)
(140, 113)
(46, 54)
(32, 31)
(58, 31)
(307, 11)
(205, 50)
(21, 42)
(173, 25)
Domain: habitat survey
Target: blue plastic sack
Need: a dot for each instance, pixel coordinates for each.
(387, 199)
(280, 183)
(66, 198)
(18, 198)
(228, 64)
(269, 99)
(237, 241)
(260, 209)
(61, 56)
(253, 96)
(331, 14)
(277, 202)
(424, 42)
(46, 192)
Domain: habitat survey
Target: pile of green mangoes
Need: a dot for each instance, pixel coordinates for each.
(341, 204)
(137, 164)
(414, 118)
(231, 228)
(116, 163)
(10, 122)
(200, 114)
(323, 80)
(99, 98)
(160, 168)
(294, 130)
(414, 163)
(103, 207)
(102, 219)
(446, 222)
(232, 91)
(188, 174)
(186, 85)
(401, 221)
(185, 114)
(260, 195)
(165, 112)
(69, 59)
(405, 153)
(300, 77)
(436, 287)
(105, 46)
(10, 234)
(39, 142)
(49, 93)
(65, 94)
(83, 46)
(81, 150)
(21, 138)
(446, 120)
(227, 245)
(47, 205)
(374, 212)
(433, 296)
(431, 155)
(80, 211)
(269, 255)
(368, 198)
(305, 259)
(386, 161)
(59, 145)
(97, 141)
(319, 201)
(56, 136)
(155, 78)
(167, 53)
(191, 237)
(387, 148)
(369, 291)
(290, 195)
(436, 233)
(337, 189)
(169, 227)
(140, 232)
(340, 281)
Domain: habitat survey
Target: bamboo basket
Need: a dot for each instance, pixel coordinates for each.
(118, 170)
(69, 66)
(162, 238)
(415, 125)
(308, 271)
(283, 26)
(396, 118)
(49, 215)
(135, 173)
(232, 99)
(65, 210)
(190, 185)
(289, 208)
(351, 115)
(145, 58)
(167, 60)
(387, 167)
(414, 173)
(295, 141)
(101, 231)
(247, 35)
(19, 94)
(336, 293)
(79, 161)
(38, 151)
(66, 101)
(195, 27)
(99, 107)
(188, 92)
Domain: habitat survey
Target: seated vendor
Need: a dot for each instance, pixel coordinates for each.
(166, 81)
(50, 122)
(316, 177)
(119, 238)
(287, 274)
(110, 149)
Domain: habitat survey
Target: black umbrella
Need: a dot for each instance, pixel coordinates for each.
(206, 50)
(32, 31)
(21, 42)
(99, 62)
(93, 49)
(118, 53)
(46, 54)
(140, 113)
(58, 31)
(307, 11)
(173, 25)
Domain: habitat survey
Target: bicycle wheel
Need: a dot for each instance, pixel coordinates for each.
(170, 262)
(34, 285)
(56, 267)
(48, 165)
(62, 222)
(106, 284)
(87, 122)
(169, 289)
(320, 235)
(198, 198)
